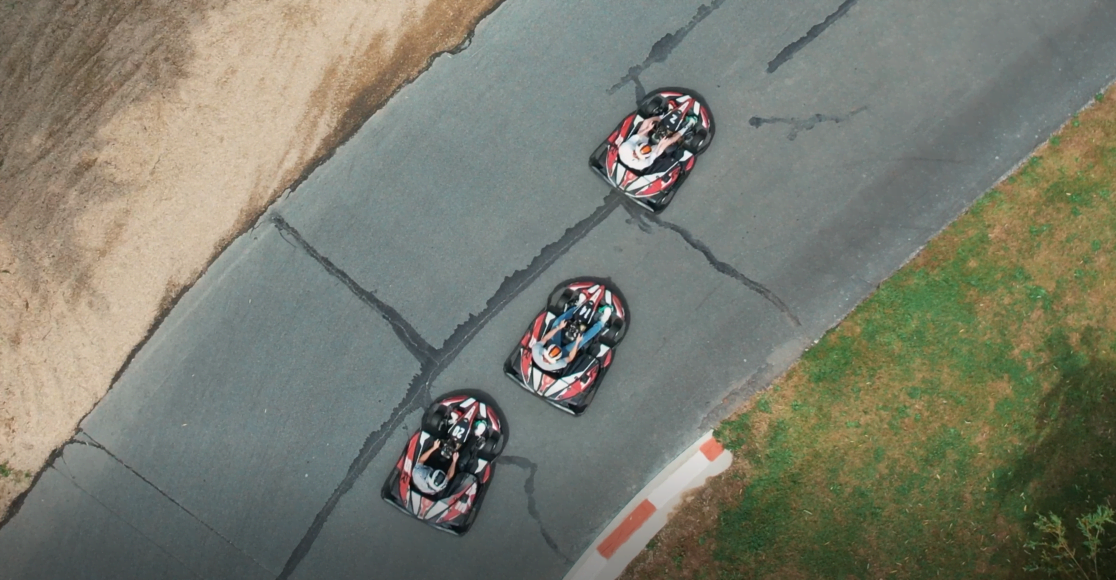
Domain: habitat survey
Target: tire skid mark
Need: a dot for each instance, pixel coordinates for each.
(418, 395)
(642, 218)
(815, 31)
(662, 48)
(372, 446)
(514, 284)
(529, 488)
(805, 124)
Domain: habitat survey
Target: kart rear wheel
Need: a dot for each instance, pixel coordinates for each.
(559, 300)
(387, 492)
(509, 364)
(671, 192)
(597, 159)
(652, 106)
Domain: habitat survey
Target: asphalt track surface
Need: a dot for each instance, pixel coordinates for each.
(250, 436)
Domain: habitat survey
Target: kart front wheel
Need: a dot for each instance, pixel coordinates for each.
(559, 300)
(652, 106)
(615, 332)
(696, 141)
(435, 423)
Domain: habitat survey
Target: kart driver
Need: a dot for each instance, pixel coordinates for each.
(638, 153)
(430, 480)
(550, 354)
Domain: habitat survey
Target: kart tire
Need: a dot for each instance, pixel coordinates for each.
(671, 192)
(435, 423)
(473, 513)
(509, 366)
(559, 300)
(580, 409)
(614, 333)
(387, 492)
(492, 448)
(652, 106)
(696, 141)
(597, 159)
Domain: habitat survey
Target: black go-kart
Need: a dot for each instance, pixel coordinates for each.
(469, 424)
(582, 304)
(654, 187)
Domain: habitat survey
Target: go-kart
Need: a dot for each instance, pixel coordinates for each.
(469, 424)
(654, 187)
(592, 310)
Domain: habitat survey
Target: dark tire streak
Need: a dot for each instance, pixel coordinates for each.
(411, 339)
(529, 488)
(805, 124)
(662, 48)
(641, 217)
(815, 31)
(418, 395)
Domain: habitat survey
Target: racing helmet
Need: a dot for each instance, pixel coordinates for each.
(436, 479)
(553, 352)
(634, 151)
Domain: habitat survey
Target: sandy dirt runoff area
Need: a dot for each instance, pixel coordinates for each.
(138, 138)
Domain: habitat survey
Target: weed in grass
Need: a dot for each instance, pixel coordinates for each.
(1055, 554)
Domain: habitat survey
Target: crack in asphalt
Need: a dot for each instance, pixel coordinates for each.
(815, 30)
(97, 445)
(411, 339)
(640, 218)
(438, 361)
(123, 520)
(804, 124)
(662, 48)
(372, 446)
(529, 489)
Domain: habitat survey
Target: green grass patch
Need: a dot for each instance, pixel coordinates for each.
(973, 391)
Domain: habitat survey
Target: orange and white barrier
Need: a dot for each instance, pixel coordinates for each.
(643, 517)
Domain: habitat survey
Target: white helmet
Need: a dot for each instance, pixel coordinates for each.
(436, 480)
